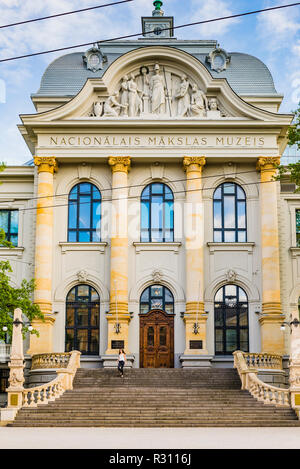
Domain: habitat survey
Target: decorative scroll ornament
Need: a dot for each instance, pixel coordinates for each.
(94, 59)
(157, 276)
(82, 276)
(231, 275)
(218, 59)
(153, 92)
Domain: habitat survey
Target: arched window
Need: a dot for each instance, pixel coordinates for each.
(157, 297)
(82, 320)
(230, 221)
(84, 214)
(231, 320)
(157, 214)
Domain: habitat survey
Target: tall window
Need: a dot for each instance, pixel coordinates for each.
(231, 320)
(157, 297)
(230, 221)
(298, 228)
(157, 214)
(9, 223)
(84, 214)
(82, 320)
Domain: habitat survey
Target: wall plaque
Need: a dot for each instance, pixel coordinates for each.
(117, 344)
(196, 344)
(297, 399)
(14, 399)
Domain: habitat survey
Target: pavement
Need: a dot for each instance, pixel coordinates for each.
(149, 438)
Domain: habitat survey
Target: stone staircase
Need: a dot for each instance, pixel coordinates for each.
(156, 398)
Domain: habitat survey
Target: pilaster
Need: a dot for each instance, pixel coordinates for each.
(272, 340)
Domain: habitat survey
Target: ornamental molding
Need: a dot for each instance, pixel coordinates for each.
(267, 163)
(157, 275)
(46, 164)
(218, 59)
(231, 275)
(94, 59)
(119, 163)
(82, 276)
(193, 160)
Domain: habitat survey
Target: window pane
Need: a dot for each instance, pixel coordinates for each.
(150, 337)
(94, 344)
(145, 296)
(14, 218)
(96, 215)
(96, 236)
(157, 188)
(156, 236)
(218, 236)
(231, 317)
(14, 239)
(168, 295)
(70, 316)
(240, 193)
(72, 215)
(169, 308)
(83, 290)
(229, 188)
(162, 336)
(229, 236)
(144, 308)
(169, 215)
(73, 193)
(4, 220)
(242, 236)
(72, 237)
(156, 213)
(85, 188)
(217, 215)
(156, 290)
(218, 193)
(242, 295)
(146, 193)
(69, 340)
(83, 316)
(230, 290)
(96, 193)
(241, 208)
(84, 236)
(156, 303)
(244, 336)
(231, 340)
(145, 215)
(218, 317)
(82, 341)
(71, 295)
(85, 212)
(229, 212)
(168, 193)
(243, 316)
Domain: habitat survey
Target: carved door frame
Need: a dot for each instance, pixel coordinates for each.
(157, 318)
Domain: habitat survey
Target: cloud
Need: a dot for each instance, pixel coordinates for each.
(211, 9)
(279, 25)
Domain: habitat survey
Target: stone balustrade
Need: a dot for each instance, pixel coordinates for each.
(263, 360)
(50, 360)
(247, 366)
(48, 392)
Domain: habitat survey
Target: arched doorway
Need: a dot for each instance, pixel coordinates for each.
(157, 328)
(231, 320)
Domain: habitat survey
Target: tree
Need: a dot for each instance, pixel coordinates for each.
(12, 298)
(293, 139)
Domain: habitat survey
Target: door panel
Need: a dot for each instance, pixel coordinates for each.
(157, 340)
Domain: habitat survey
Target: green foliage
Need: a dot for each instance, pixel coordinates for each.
(294, 130)
(12, 298)
(3, 240)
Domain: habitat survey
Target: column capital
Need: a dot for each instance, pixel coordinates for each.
(46, 164)
(267, 163)
(188, 161)
(119, 163)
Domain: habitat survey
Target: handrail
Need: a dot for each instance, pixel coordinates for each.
(258, 389)
(32, 397)
(263, 360)
(50, 360)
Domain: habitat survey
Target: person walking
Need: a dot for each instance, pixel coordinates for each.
(121, 362)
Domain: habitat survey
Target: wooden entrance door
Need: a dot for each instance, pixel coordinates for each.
(157, 340)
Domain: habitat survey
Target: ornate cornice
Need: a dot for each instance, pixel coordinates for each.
(189, 161)
(267, 163)
(119, 163)
(46, 164)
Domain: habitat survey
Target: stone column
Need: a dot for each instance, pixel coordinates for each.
(272, 340)
(118, 311)
(44, 255)
(294, 365)
(194, 248)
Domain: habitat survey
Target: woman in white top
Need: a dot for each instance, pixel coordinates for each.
(121, 362)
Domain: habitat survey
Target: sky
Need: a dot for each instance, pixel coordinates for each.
(273, 37)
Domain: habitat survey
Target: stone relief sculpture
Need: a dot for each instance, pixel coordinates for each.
(199, 102)
(153, 92)
(183, 98)
(112, 106)
(157, 90)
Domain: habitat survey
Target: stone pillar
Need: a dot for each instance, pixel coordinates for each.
(194, 248)
(294, 366)
(44, 255)
(118, 310)
(272, 339)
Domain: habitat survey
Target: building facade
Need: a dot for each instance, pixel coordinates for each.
(149, 216)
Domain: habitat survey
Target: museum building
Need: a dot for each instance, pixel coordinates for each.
(149, 215)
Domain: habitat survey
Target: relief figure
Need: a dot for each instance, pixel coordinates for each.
(157, 90)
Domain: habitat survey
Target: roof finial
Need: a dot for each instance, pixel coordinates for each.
(158, 11)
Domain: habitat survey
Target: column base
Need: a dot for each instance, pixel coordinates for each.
(196, 361)
(272, 338)
(43, 343)
(110, 361)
